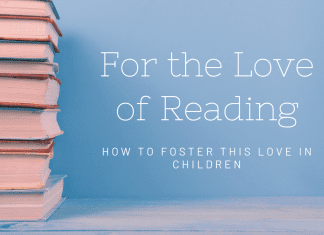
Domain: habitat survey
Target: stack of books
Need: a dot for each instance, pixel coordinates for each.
(29, 90)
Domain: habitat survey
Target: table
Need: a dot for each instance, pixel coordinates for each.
(259, 215)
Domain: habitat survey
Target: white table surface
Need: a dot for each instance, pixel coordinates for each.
(269, 215)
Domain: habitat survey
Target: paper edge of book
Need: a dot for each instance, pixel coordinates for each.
(56, 178)
(45, 217)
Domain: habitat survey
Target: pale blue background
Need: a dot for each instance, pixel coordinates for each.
(204, 29)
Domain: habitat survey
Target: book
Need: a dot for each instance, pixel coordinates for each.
(28, 67)
(24, 170)
(29, 91)
(27, 146)
(28, 123)
(24, 90)
(39, 51)
(29, 27)
(32, 205)
(44, 8)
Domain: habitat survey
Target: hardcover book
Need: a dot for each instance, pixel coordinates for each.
(24, 170)
(28, 124)
(32, 205)
(38, 91)
(29, 27)
(42, 51)
(27, 67)
(29, 91)
(27, 146)
(44, 8)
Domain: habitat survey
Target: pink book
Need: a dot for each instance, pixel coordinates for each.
(29, 90)
(44, 8)
(21, 170)
(28, 67)
(27, 50)
(29, 28)
(30, 146)
(33, 204)
(28, 124)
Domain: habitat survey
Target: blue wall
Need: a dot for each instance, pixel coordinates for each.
(204, 29)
